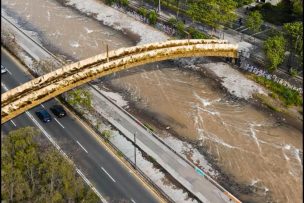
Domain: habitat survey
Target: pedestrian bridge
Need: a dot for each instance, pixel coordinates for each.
(41, 89)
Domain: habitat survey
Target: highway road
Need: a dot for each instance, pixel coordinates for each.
(110, 178)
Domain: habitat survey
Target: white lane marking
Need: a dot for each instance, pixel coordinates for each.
(82, 147)
(66, 156)
(108, 174)
(13, 123)
(4, 86)
(9, 72)
(42, 106)
(90, 184)
(132, 200)
(58, 122)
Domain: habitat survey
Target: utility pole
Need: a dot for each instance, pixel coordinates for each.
(188, 35)
(158, 6)
(135, 149)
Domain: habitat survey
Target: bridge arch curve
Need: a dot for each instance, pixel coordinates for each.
(43, 88)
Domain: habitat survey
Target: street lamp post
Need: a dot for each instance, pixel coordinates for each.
(159, 6)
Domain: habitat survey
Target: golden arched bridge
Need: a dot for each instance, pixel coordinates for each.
(41, 89)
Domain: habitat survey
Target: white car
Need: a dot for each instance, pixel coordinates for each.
(3, 70)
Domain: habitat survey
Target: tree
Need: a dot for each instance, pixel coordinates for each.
(123, 2)
(110, 2)
(294, 32)
(152, 17)
(143, 11)
(80, 97)
(297, 7)
(32, 173)
(254, 21)
(107, 134)
(274, 48)
(212, 12)
(18, 163)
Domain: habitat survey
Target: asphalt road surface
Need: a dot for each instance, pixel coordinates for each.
(112, 180)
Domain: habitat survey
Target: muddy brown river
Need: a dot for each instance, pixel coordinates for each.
(248, 144)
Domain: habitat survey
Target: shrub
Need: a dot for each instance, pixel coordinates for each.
(293, 72)
(180, 26)
(123, 2)
(106, 134)
(288, 96)
(110, 2)
(195, 34)
(143, 11)
(172, 21)
(152, 17)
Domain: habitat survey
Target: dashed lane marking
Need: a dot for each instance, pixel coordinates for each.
(58, 122)
(82, 147)
(4, 86)
(9, 72)
(13, 123)
(108, 174)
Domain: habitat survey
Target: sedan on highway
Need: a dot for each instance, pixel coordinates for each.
(44, 116)
(3, 69)
(58, 111)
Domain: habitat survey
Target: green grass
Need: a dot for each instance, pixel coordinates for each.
(288, 96)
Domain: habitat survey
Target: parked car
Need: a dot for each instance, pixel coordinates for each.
(58, 111)
(3, 69)
(44, 116)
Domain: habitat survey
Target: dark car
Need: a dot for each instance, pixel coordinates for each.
(3, 69)
(58, 111)
(43, 115)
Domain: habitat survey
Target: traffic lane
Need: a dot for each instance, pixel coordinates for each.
(138, 192)
(14, 67)
(106, 163)
(18, 122)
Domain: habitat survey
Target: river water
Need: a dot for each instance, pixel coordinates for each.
(248, 144)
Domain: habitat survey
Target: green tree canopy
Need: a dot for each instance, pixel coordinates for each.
(212, 12)
(80, 97)
(274, 48)
(152, 17)
(294, 32)
(254, 21)
(32, 173)
(297, 7)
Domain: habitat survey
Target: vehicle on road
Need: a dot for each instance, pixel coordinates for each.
(3, 69)
(44, 116)
(58, 111)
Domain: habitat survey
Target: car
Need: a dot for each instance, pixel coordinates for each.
(3, 69)
(58, 111)
(44, 115)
